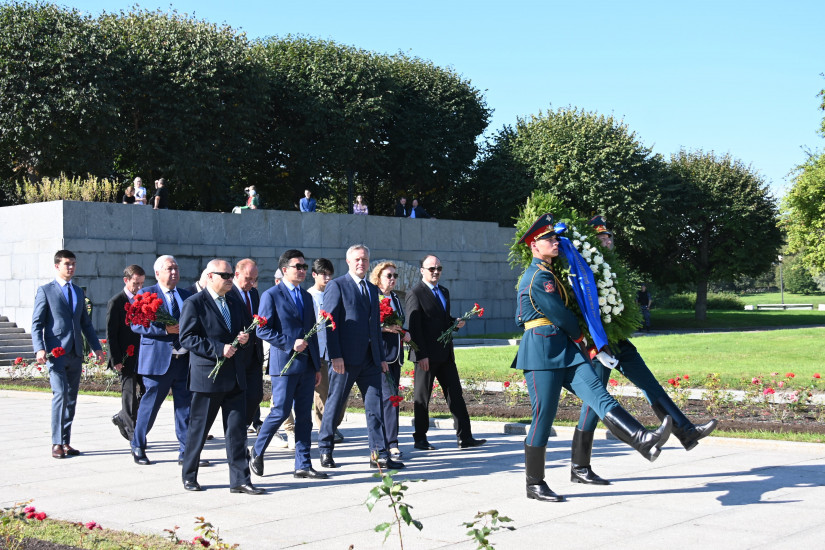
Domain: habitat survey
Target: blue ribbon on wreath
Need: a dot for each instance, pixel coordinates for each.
(584, 288)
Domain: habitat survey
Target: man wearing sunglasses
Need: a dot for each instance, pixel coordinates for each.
(290, 316)
(209, 323)
(428, 309)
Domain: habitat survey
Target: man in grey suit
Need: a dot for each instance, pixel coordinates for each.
(60, 320)
(356, 351)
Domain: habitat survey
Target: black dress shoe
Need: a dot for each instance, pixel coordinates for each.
(192, 486)
(472, 442)
(116, 420)
(423, 445)
(247, 488)
(542, 492)
(140, 457)
(386, 464)
(58, 452)
(70, 451)
(327, 462)
(256, 463)
(201, 463)
(310, 473)
(210, 437)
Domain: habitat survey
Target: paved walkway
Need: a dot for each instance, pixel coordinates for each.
(725, 493)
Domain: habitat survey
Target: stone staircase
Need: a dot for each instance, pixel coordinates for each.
(14, 343)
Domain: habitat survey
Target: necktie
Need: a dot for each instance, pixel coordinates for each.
(299, 303)
(438, 297)
(69, 297)
(364, 293)
(175, 311)
(225, 313)
(248, 303)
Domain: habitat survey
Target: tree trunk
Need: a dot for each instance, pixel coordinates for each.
(702, 298)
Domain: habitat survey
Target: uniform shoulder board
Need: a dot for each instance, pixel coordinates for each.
(543, 266)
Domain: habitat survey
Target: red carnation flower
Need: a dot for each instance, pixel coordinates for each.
(769, 391)
(507, 384)
(18, 360)
(686, 377)
(790, 375)
(130, 351)
(261, 320)
(58, 352)
(613, 382)
(40, 516)
(816, 375)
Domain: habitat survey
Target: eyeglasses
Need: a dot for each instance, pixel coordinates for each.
(433, 269)
(224, 276)
(299, 267)
(391, 275)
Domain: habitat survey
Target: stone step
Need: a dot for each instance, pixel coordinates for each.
(18, 348)
(14, 353)
(6, 325)
(6, 338)
(3, 319)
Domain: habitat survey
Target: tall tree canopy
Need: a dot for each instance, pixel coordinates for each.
(592, 162)
(723, 225)
(154, 94)
(804, 209)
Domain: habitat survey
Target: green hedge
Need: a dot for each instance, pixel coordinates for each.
(720, 301)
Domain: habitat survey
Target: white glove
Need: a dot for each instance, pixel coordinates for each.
(607, 360)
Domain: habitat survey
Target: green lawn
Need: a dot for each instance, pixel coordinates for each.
(675, 319)
(734, 356)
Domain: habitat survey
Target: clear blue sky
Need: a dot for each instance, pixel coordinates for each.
(738, 77)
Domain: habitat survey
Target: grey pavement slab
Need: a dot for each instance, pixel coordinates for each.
(725, 493)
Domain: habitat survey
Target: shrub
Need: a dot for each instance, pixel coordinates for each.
(687, 301)
(90, 189)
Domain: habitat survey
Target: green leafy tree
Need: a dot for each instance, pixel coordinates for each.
(188, 103)
(804, 214)
(725, 226)
(57, 106)
(796, 276)
(592, 163)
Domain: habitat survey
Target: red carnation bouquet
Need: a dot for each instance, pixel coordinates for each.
(257, 321)
(390, 318)
(146, 309)
(325, 317)
(447, 336)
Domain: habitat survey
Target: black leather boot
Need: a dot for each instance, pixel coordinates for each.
(686, 431)
(534, 466)
(580, 470)
(622, 424)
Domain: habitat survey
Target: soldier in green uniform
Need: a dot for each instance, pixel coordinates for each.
(632, 366)
(550, 354)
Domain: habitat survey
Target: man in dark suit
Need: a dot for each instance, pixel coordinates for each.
(356, 351)
(163, 362)
(209, 323)
(428, 310)
(401, 209)
(61, 320)
(243, 289)
(418, 211)
(120, 338)
(290, 316)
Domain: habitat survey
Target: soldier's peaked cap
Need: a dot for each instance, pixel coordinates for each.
(542, 228)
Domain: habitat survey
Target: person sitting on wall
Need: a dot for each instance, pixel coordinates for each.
(252, 200)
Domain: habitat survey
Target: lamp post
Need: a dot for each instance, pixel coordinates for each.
(781, 281)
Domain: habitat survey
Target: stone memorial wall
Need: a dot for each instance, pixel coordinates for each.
(107, 237)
